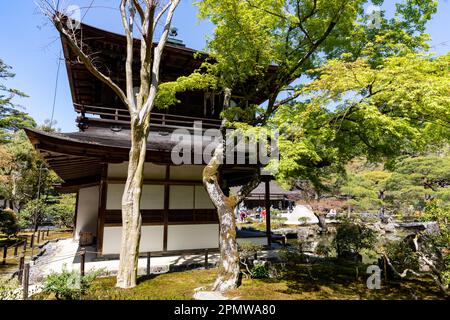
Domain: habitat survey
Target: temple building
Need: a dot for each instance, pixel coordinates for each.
(177, 213)
(279, 198)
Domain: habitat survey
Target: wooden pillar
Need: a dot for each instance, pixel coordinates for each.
(149, 255)
(76, 215)
(103, 191)
(21, 267)
(26, 281)
(267, 205)
(166, 208)
(5, 253)
(82, 261)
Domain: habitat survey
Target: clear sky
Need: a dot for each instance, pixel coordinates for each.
(31, 46)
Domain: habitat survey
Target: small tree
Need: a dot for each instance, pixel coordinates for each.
(9, 223)
(63, 210)
(296, 36)
(12, 118)
(353, 237)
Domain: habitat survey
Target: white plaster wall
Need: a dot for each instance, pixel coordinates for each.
(200, 236)
(152, 238)
(181, 197)
(152, 197)
(114, 196)
(202, 199)
(87, 211)
(151, 171)
(186, 172)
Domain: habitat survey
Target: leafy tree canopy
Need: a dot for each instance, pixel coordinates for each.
(297, 35)
(12, 118)
(354, 109)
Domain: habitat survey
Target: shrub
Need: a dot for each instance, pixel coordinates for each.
(260, 271)
(323, 249)
(275, 212)
(290, 255)
(8, 289)
(247, 250)
(69, 285)
(402, 256)
(248, 220)
(353, 237)
(277, 223)
(303, 220)
(9, 224)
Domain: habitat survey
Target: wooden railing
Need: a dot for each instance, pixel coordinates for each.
(162, 120)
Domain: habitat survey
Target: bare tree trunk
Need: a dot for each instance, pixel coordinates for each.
(131, 211)
(229, 268)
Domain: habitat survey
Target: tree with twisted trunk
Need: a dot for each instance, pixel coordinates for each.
(143, 15)
(253, 37)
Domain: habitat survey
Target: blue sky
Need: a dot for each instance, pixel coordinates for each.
(31, 46)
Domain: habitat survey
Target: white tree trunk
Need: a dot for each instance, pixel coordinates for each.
(131, 211)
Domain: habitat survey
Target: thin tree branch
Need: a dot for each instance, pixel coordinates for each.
(59, 20)
(160, 14)
(128, 24)
(247, 188)
(139, 9)
(144, 113)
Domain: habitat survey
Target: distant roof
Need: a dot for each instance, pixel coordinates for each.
(276, 192)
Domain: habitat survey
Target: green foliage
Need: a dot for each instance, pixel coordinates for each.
(292, 255)
(7, 288)
(277, 223)
(403, 186)
(69, 285)
(353, 237)
(366, 189)
(402, 256)
(251, 35)
(249, 248)
(260, 271)
(356, 110)
(22, 176)
(352, 107)
(167, 92)
(62, 211)
(323, 249)
(9, 223)
(33, 209)
(439, 212)
(427, 248)
(416, 180)
(11, 118)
